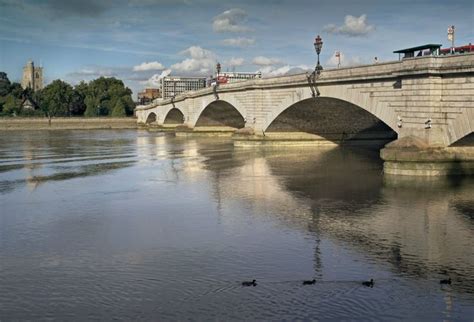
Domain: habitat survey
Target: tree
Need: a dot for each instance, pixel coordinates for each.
(119, 109)
(129, 103)
(12, 105)
(106, 92)
(16, 90)
(4, 85)
(78, 105)
(57, 99)
(91, 106)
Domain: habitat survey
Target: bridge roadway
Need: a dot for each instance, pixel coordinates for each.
(426, 102)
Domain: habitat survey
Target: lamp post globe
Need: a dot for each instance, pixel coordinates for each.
(318, 45)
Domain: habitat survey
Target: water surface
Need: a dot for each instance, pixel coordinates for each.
(143, 226)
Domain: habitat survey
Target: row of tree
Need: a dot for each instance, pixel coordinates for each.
(100, 97)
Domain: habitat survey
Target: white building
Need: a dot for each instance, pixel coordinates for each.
(173, 85)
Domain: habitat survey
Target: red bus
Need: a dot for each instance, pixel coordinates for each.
(458, 50)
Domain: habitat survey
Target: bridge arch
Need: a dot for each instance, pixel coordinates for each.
(331, 118)
(151, 118)
(174, 116)
(220, 113)
(462, 128)
(354, 96)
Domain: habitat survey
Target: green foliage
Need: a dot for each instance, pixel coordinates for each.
(57, 99)
(32, 113)
(12, 105)
(78, 105)
(4, 87)
(107, 92)
(92, 106)
(119, 109)
(100, 97)
(17, 91)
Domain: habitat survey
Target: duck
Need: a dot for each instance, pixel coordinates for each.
(369, 283)
(445, 281)
(311, 282)
(248, 283)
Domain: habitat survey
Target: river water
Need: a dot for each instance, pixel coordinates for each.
(146, 226)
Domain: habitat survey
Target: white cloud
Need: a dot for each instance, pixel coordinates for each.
(271, 71)
(345, 61)
(154, 65)
(352, 27)
(239, 42)
(91, 72)
(230, 21)
(154, 81)
(235, 62)
(265, 61)
(200, 61)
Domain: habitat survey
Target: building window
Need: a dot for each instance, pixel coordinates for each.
(37, 75)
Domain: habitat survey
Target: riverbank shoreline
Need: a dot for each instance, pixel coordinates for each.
(67, 123)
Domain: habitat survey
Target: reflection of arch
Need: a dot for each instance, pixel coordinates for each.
(220, 113)
(151, 118)
(174, 116)
(330, 118)
(461, 128)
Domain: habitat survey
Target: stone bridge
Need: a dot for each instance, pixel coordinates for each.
(427, 99)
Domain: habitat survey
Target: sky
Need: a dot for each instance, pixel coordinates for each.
(139, 41)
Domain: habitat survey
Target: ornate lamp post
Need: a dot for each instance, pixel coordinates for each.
(318, 45)
(214, 89)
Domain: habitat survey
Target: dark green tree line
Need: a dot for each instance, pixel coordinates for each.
(100, 97)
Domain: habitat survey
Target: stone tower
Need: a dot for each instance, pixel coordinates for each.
(32, 77)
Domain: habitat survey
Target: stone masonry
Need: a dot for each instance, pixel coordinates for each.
(427, 97)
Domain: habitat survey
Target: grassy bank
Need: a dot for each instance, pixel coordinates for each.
(67, 123)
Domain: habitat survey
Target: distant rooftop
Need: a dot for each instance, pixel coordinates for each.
(432, 47)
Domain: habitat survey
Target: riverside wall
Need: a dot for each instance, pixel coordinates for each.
(67, 123)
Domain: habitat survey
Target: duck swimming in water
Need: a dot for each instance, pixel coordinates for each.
(445, 281)
(248, 283)
(369, 283)
(313, 281)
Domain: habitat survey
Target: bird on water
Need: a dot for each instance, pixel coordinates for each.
(248, 283)
(445, 281)
(311, 282)
(369, 283)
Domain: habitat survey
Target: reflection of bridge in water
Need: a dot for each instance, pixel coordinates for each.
(420, 228)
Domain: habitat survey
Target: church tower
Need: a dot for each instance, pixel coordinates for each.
(32, 77)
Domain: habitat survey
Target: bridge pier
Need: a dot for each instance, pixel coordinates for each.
(411, 156)
(204, 131)
(247, 138)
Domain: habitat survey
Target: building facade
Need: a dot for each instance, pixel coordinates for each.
(148, 95)
(32, 77)
(232, 77)
(173, 85)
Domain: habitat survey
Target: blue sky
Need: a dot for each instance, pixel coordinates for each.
(139, 40)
